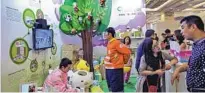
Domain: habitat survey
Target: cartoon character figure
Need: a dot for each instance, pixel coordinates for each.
(89, 16)
(68, 18)
(102, 3)
(75, 6)
(73, 31)
(80, 19)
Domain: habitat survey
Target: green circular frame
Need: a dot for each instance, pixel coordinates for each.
(53, 51)
(28, 9)
(10, 51)
(36, 66)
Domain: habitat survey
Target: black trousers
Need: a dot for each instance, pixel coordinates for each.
(115, 80)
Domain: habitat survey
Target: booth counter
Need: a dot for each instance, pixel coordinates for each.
(178, 86)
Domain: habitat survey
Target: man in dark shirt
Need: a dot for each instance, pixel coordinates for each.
(148, 34)
(169, 37)
(193, 29)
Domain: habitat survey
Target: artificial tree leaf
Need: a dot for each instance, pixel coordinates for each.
(66, 9)
(69, 2)
(81, 3)
(66, 28)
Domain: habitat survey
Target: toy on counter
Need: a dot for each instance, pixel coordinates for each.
(126, 69)
(96, 89)
(81, 79)
(96, 64)
(82, 65)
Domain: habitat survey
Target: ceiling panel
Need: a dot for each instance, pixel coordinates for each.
(172, 7)
(154, 3)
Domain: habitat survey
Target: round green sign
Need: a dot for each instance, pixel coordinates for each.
(44, 63)
(54, 48)
(33, 65)
(19, 51)
(39, 14)
(28, 17)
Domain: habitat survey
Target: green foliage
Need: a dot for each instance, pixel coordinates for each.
(84, 6)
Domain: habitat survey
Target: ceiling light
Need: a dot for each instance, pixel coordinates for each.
(198, 5)
(183, 2)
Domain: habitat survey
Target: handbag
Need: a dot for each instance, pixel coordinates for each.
(152, 88)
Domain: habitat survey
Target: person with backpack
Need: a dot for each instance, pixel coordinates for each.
(118, 54)
(148, 34)
(152, 66)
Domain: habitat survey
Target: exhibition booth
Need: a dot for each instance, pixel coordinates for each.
(37, 34)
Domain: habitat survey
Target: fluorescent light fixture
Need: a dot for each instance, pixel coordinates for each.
(198, 5)
(160, 7)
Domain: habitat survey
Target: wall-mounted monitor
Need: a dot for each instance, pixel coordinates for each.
(42, 39)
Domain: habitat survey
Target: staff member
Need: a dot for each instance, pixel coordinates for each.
(117, 55)
(193, 29)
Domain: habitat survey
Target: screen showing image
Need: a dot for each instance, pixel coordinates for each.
(43, 38)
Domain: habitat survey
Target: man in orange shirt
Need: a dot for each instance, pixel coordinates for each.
(117, 55)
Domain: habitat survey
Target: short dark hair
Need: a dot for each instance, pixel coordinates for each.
(129, 40)
(179, 36)
(167, 31)
(65, 62)
(111, 30)
(193, 19)
(149, 33)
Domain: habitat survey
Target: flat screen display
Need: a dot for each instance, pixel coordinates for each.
(42, 38)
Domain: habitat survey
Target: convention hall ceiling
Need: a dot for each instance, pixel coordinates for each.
(155, 8)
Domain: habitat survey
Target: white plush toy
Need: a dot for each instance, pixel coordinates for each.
(81, 79)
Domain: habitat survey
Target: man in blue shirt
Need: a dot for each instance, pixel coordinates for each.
(148, 34)
(193, 29)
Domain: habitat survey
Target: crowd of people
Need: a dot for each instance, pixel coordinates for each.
(150, 60)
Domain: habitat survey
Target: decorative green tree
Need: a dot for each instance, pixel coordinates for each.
(85, 18)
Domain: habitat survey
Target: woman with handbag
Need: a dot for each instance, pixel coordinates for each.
(152, 66)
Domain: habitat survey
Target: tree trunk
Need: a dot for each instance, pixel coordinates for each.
(87, 47)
